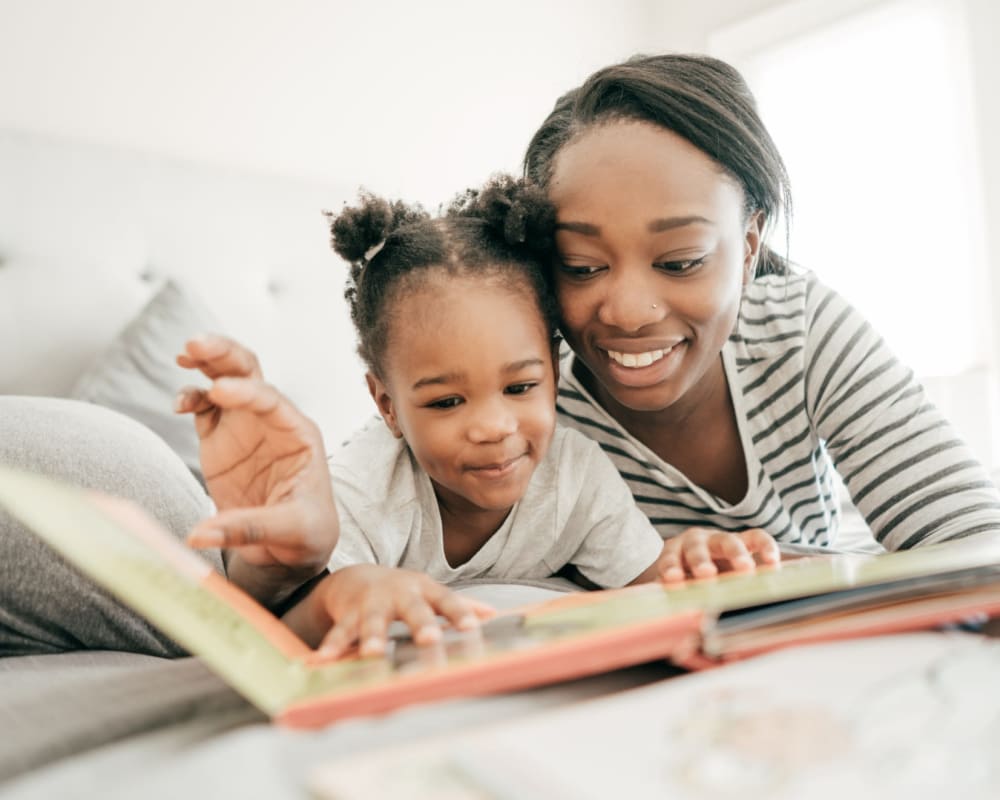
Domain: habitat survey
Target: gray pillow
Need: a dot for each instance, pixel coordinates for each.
(138, 376)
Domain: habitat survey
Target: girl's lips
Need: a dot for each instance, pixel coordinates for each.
(500, 469)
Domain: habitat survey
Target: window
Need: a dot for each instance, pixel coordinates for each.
(873, 113)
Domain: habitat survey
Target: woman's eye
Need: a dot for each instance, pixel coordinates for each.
(520, 388)
(680, 267)
(580, 272)
(445, 402)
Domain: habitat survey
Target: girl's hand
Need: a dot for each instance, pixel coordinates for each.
(703, 553)
(265, 467)
(357, 603)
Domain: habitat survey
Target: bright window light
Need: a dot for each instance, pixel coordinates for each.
(873, 116)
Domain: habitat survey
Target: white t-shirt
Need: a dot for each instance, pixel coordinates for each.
(577, 510)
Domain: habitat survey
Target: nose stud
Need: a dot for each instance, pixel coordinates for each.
(654, 305)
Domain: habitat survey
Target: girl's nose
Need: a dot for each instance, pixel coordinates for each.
(493, 421)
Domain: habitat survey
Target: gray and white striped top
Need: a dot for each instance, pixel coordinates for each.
(815, 389)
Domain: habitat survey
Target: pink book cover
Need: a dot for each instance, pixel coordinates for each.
(123, 549)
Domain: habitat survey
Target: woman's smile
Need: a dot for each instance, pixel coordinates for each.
(646, 367)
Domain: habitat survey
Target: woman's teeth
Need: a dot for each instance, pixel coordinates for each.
(637, 359)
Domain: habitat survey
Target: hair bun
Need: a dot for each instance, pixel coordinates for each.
(359, 229)
(516, 209)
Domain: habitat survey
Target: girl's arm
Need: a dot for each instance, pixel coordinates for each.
(265, 467)
(908, 472)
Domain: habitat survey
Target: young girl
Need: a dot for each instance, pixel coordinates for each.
(466, 475)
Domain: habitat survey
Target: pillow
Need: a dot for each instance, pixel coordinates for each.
(138, 376)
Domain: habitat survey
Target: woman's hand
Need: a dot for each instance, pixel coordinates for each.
(265, 467)
(356, 604)
(703, 553)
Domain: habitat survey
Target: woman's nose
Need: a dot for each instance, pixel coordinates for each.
(630, 303)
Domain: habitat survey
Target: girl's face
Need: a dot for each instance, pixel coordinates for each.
(470, 384)
(654, 249)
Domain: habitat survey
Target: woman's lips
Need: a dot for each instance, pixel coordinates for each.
(640, 368)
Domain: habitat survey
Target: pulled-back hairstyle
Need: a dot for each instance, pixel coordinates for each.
(702, 99)
(502, 232)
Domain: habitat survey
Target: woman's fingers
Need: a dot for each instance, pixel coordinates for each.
(696, 553)
(702, 553)
(762, 545)
(670, 563)
(727, 548)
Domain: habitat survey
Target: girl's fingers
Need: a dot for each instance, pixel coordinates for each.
(260, 398)
(218, 355)
(191, 400)
(373, 631)
(338, 639)
(461, 612)
(274, 526)
(417, 613)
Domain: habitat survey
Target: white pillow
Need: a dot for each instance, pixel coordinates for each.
(138, 376)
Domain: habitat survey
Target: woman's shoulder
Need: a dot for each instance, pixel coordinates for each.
(780, 312)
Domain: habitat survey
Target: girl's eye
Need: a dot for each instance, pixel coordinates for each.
(680, 267)
(445, 403)
(580, 272)
(521, 388)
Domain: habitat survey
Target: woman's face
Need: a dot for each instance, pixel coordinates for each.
(654, 248)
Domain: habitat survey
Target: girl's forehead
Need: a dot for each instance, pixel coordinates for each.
(463, 326)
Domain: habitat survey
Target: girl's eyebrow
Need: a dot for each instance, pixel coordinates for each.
(517, 366)
(656, 226)
(435, 380)
(457, 377)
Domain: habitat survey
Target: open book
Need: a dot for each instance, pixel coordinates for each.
(696, 624)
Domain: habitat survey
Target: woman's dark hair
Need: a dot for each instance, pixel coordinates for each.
(700, 98)
(503, 231)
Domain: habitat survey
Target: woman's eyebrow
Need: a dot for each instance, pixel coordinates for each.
(669, 223)
(656, 226)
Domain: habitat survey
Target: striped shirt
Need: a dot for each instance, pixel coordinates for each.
(814, 389)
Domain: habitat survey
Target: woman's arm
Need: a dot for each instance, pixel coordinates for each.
(910, 475)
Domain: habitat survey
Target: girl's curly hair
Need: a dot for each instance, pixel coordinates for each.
(502, 231)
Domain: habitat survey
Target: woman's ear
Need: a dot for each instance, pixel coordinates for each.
(380, 394)
(753, 239)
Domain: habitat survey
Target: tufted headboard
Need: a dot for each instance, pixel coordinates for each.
(88, 233)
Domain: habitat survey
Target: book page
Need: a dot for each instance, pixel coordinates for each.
(910, 715)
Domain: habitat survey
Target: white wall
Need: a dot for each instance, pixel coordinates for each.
(418, 99)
